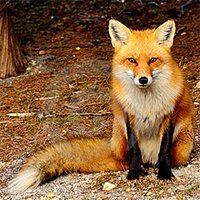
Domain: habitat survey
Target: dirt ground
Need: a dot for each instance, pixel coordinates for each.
(66, 90)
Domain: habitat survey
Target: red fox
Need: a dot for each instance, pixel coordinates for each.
(152, 109)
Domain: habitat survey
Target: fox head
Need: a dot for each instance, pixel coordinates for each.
(142, 56)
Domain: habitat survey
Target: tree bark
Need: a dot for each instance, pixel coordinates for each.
(12, 61)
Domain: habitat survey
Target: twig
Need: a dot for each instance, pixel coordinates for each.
(48, 115)
(71, 106)
(93, 104)
(86, 114)
(46, 98)
(5, 122)
(21, 114)
(65, 47)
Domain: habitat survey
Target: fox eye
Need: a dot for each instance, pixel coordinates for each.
(132, 60)
(152, 60)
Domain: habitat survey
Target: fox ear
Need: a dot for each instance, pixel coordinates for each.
(118, 32)
(164, 34)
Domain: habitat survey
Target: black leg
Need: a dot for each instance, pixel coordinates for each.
(164, 166)
(134, 154)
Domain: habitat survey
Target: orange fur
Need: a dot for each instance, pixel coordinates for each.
(184, 138)
(76, 155)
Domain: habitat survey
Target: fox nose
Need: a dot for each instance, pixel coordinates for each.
(143, 80)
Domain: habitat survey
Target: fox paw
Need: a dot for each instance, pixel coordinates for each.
(165, 173)
(135, 174)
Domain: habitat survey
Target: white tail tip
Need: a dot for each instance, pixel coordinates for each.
(27, 179)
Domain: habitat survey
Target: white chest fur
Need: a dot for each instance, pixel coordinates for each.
(148, 131)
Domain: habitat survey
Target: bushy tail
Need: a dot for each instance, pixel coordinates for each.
(77, 155)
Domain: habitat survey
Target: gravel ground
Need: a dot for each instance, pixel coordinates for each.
(185, 185)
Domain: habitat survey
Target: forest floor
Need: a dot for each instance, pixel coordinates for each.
(66, 90)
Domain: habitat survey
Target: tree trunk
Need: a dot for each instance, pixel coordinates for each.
(12, 61)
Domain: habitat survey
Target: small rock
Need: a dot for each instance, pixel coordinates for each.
(185, 66)
(108, 186)
(161, 192)
(128, 190)
(51, 194)
(71, 86)
(42, 52)
(33, 62)
(198, 85)
(183, 33)
(149, 193)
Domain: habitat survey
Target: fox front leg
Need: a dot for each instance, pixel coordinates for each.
(134, 155)
(164, 165)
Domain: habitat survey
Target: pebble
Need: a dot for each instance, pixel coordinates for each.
(149, 193)
(183, 33)
(128, 190)
(42, 52)
(108, 186)
(198, 85)
(33, 62)
(51, 194)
